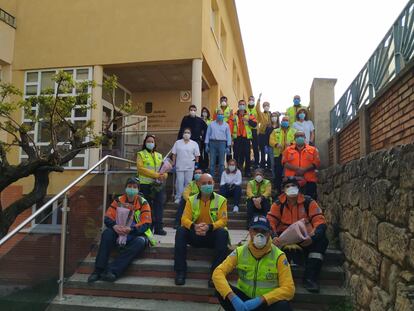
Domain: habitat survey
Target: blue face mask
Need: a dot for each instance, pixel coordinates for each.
(302, 116)
(206, 189)
(150, 146)
(131, 192)
(300, 141)
(197, 177)
(285, 124)
(220, 117)
(296, 101)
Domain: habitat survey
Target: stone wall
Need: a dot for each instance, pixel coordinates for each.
(369, 204)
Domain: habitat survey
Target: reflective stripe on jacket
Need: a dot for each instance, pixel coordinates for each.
(215, 205)
(151, 161)
(279, 136)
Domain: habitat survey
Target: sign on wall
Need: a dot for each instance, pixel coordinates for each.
(185, 96)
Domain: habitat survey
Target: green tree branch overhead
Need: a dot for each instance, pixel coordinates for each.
(51, 110)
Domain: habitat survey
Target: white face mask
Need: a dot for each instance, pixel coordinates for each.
(251, 103)
(192, 113)
(223, 103)
(259, 178)
(232, 168)
(274, 119)
(186, 136)
(292, 191)
(266, 108)
(259, 240)
(205, 114)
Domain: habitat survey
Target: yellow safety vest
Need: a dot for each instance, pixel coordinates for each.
(148, 233)
(291, 113)
(236, 125)
(151, 161)
(252, 111)
(215, 205)
(262, 186)
(279, 135)
(194, 188)
(257, 277)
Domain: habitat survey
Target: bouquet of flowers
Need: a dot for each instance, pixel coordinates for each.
(295, 233)
(123, 218)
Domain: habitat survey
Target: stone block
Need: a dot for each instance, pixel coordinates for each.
(407, 276)
(364, 292)
(399, 206)
(366, 258)
(379, 197)
(380, 300)
(364, 193)
(410, 254)
(402, 302)
(389, 276)
(354, 193)
(355, 222)
(407, 171)
(375, 167)
(411, 221)
(392, 241)
(347, 243)
(369, 228)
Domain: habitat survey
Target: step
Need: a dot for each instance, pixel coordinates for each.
(92, 303)
(194, 290)
(231, 223)
(166, 251)
(330, 275)
(171, 206)
(241, 215)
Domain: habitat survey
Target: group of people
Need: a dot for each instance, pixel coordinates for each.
(263, 264)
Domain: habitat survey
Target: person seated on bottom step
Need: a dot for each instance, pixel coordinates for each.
(230, 183)
(203, 225)
(132, 236)
(259, 192)
(190, 189)
(265, 279)
(290, 207)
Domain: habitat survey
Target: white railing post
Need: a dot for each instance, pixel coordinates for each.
(65, 210)
(105, 194)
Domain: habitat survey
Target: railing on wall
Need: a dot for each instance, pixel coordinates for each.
(389, 58)
(7, 18)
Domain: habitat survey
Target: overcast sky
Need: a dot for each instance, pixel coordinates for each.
(290, 42)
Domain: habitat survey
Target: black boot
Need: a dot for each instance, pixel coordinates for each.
(311, 277)
(180, 278)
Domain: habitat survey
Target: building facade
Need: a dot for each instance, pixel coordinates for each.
(166, 54)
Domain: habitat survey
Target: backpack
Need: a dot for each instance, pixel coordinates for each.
(306, 204)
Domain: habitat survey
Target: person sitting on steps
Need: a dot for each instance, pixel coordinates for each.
(138, 234)
(290, 207)
(265, 280)
(190, 190)
(203, 225)
(230, 183)
(258, 191)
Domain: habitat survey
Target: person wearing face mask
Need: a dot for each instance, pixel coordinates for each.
(149, 162)
(264, 120)
(305, 125)
(138, 234)
(280, 139)
(190, 190)
(196, 124)
(205, 115)
(251, 110)
(264, 276)
(290, 207)
(242, 135)
(230, 183)
(223, 106)
(185, 156)
(293, 110)
(302, 160)
(259, 192)
(218, 142)
(202, 225)
(274, 124)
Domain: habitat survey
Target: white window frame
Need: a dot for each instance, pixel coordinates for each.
(53, 228)
(85, 156)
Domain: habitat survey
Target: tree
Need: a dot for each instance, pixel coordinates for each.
(51, 110)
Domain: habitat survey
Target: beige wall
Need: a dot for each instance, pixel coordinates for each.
(60, 33)
(7, 34)
(9, 6)
(219, 63)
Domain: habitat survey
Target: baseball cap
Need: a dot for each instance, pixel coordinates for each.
(132, 180)
(290, 180)
(259, 222)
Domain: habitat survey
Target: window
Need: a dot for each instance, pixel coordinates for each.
(121, 95)
(214, 19)
(223, 40)
(36, 83)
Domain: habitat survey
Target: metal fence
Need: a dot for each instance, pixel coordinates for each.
(387, 61)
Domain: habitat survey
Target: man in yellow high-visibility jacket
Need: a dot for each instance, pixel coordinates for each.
(265, 280)
(203, 225)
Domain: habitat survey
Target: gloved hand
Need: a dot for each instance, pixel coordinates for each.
(254, 303)
(238, 304)
(228, 150)
(207, 148)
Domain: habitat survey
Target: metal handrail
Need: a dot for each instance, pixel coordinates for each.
(57, 196)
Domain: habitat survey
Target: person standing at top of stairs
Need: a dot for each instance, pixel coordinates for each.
(203, 225)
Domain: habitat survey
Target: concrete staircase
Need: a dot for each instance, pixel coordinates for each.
(148, 284)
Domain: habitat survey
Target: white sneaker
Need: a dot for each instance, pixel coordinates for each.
(235, 209)
(177, 201)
